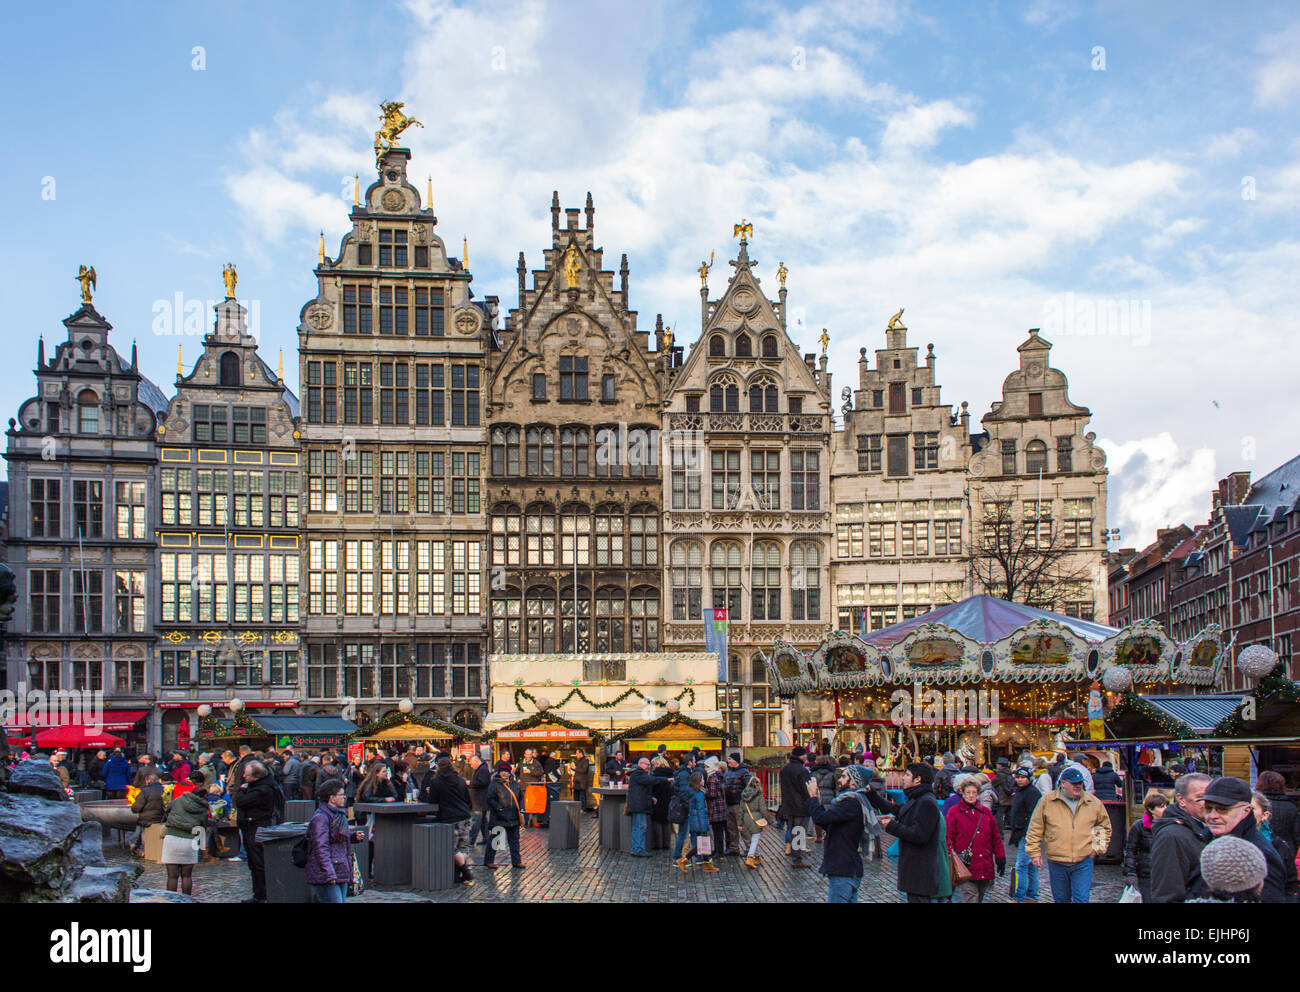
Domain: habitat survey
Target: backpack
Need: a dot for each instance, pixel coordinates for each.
(277, 815)
(301, 852)
(678, 811)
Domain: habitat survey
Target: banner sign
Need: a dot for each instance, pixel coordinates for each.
(715, 638)
(563, 734)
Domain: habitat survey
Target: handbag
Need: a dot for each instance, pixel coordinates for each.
(957, 870)
(704, 846)
(967, 854)
(678, 811)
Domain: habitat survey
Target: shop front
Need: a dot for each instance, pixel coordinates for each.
(676, 734)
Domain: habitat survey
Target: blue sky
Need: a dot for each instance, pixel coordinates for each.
(972, 162)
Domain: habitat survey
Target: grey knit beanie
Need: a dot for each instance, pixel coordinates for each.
(858, 776)
(1232, 865)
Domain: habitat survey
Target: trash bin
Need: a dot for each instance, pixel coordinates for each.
(299, 810)
(433, 847)
(285, 881)
(565, 816)
(87, 795)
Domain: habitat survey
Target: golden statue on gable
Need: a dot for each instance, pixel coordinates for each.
(896, 322)
(571, 266)
(86, 276)
(230, 278)
(781, 273)
(742, 230)
(391, 125)
(704, 270)
(825, 340)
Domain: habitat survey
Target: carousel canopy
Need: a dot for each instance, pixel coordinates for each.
(983, 618)
(986, 639)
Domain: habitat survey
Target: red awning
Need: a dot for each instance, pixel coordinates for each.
(112, 720)
(74, 735)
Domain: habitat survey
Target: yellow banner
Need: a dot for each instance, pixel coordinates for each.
(652, 744)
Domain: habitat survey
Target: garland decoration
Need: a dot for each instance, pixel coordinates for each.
(672, 719)
(1131, 702)
(240, 725)
(397, 719)
(525, 694)
(1274, 687)
(537, 719)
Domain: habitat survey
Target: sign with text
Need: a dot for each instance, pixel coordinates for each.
(560, 734)
(355, 752)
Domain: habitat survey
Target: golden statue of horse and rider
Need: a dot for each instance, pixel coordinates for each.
(391, 125)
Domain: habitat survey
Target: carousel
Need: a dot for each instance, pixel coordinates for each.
(982, 678)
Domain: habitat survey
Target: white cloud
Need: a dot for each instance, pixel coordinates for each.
(1229, 145)
(1172, 233)
(1277, 79)
(919, 127)
(1155, 483)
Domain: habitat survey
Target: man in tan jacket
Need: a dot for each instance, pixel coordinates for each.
(1068, 827)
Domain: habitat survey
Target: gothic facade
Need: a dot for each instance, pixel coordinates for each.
(573, 477)
(747, 506)
(392, 354)
(228, 541)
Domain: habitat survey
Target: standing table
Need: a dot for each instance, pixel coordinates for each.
(615, 826)
(392, 834)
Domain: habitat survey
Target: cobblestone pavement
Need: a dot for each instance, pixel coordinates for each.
(590, 874)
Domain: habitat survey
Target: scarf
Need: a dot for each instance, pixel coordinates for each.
(870, 821)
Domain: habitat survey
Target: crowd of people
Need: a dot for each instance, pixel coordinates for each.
(955, 830)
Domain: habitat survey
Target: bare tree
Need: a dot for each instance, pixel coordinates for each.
(1025, 559)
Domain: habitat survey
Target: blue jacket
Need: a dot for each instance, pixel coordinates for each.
(698, 821)
(682, 785)
(117, 773)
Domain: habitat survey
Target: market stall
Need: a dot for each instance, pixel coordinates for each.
(677, 732)
(982, 678)
(546, 730)
(273, 730)
(408, 730)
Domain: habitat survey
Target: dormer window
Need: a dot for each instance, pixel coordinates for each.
(392, 247)
(769, 346)
(744, 347)
(717, 346)
(228, 373)
(87, 412)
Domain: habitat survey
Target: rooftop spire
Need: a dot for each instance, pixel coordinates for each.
(320, 254)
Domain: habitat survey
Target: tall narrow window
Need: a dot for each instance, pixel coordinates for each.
(87, 412)
(229, 370)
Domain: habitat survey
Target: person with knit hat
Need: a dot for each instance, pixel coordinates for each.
(845, 820)
(1233, 870)
(1228, 813)
(1024, 878)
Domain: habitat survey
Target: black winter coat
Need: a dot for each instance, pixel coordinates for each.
(1106, 785)
(503, 804)
(1176, 843)
(640, 791)
(451, 794)
(148, 805)
(1275, 880)
(1137, 849)
(255, 803)
(917, 828)
(663, 793)
(736, 779)
(794, 790)
(479, 784)
(1285, 820)
(842, 821)
(1022, 808)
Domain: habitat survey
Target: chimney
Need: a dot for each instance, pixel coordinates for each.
(622, 272)
(1238, 487)
(810, 360)
(591, 222)
(555, 217)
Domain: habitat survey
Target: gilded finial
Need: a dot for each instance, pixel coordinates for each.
(464, 261)
(86, 276)
(704, 270)
(356, 191)
(896, 321)
(428, 198)
(180, 368)
(781, 273)
(230, 278)
(825, 340)
(279, 371)
(320, 252)
(742, 230)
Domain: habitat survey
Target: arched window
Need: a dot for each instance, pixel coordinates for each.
(805, 582)
(644, 623)
(1035, 457)
(87, 412)
(609, 456)
(766, 581)
(573, 452)
(726, 577)
(724, 395)
(769, 346)
(539, 534)
(569, 604)
(505, 451)
(717, 346)
(762, 394)
(611, 620)
(744, 346)
(539, 621)
(506, 624)
(433, 714)
(467, 719)
(642, 457)
(643, 537)
(540, 451)
(575, 528)
(505, 534)
(687, 562)
(609, 536)
(228, 373)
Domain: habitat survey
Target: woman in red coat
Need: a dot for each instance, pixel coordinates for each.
(974, 835)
